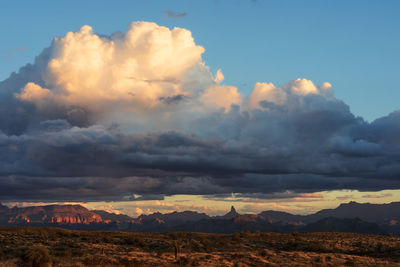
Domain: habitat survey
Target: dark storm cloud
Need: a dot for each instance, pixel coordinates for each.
(44, 189)
(62, 162)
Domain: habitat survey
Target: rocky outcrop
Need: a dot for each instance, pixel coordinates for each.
(230, 215)
(51, 214)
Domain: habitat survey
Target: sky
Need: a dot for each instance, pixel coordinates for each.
(288, 105)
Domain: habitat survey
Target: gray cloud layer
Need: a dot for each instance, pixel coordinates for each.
(175, 15)
(309, 142)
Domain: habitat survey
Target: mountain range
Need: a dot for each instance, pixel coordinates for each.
(348, 217)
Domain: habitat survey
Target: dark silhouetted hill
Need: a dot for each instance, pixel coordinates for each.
(378, 213)
(347, 225)
(279, 216)
(108, 217)
(350, 217)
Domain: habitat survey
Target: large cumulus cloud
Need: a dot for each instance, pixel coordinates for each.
(109, 117)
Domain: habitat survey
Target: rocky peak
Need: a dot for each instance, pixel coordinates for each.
(231, 214)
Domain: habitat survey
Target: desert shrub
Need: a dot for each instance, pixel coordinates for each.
(262, 253)
(159, 246)
(244, 234)
(236, 256)
(118, 241)
(133, 241)
(2, 254)
(12, 252)
(127, 262)
(323, 259)
(291, 245)
(61, 251)
(295, 234)
(350, 262)
(236, 237)
(173, 236)
(379, 247)
(177, 235)
(196, 246)
(138, 242)
(78, 252)
(106, 239)
(96, 260)
(194, 262)
(129, 241)
(187, 261)
(37, 256)
(315, 246)
(207, 244)
(84, 239)
(183, 261)
(159, 253)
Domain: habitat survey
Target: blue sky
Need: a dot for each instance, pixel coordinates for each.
(351, 44)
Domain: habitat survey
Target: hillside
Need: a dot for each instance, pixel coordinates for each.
(332, 224)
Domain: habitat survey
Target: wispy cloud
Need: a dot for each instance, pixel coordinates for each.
(346, 197)
(175, 15)
(377, 195)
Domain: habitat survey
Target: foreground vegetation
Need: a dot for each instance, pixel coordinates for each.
(30, 246)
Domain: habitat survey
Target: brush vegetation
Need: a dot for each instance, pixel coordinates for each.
(41, 246)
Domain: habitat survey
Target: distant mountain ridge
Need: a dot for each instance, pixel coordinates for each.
(51, 214)
(348, 217)
(108, 217)
(378, 213)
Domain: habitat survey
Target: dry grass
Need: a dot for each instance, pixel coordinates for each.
(29, 246)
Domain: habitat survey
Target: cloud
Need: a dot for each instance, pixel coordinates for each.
(35, 94)
(105, 118)
(222, 96)
(286, 196)
(377, 195)
(96, 72)
(174, 15)
(345, 197)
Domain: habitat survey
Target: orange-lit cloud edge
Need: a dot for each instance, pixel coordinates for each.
(302, 204)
